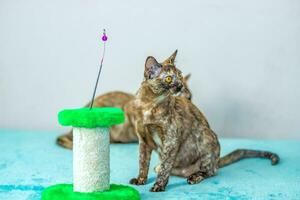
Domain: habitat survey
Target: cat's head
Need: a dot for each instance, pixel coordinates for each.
(165, 77)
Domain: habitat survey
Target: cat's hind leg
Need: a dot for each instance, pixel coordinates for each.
(181, 172)
(197, 177)
(209, 149)
(208, 167)
(192, 173)
(185, 171)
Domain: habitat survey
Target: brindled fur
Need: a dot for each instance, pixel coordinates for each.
(177, 130)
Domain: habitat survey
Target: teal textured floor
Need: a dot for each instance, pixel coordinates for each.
(31, 161)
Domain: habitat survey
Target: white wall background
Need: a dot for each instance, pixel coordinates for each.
(244, 57)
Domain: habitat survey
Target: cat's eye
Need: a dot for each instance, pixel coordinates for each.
(168, 79)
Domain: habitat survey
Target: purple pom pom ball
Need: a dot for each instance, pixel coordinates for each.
(104, 37)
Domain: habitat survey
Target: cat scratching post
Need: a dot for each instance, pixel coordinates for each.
(91, 159)
(91, 173)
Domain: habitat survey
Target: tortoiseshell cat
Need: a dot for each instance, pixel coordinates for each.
(176, 129)
(123, 133)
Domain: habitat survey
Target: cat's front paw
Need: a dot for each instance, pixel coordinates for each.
(157, 188)
(138, 181)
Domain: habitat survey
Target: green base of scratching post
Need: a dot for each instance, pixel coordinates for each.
(65, 192)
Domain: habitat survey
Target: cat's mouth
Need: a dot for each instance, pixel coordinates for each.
(175, 89)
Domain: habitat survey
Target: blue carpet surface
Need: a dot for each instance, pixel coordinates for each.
(31, 161)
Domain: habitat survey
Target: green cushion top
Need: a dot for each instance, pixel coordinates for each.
(91, 118)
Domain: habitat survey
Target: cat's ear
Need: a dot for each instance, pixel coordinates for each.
(187, 77)
(171, 59)
(152, 68)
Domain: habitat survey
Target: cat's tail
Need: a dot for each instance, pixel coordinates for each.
(65, 140)
(240, 154)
